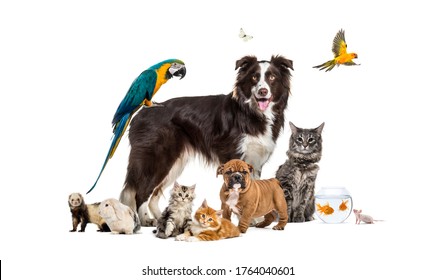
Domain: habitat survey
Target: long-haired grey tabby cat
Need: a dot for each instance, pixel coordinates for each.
(177, 216)
(298, 174)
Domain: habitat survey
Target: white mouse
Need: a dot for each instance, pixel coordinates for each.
(362, 217)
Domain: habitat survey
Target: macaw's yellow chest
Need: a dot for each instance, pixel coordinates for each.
(161, 76)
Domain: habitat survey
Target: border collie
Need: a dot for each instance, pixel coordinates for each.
(244, 124)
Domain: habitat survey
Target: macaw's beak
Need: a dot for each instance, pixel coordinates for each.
(181, 72)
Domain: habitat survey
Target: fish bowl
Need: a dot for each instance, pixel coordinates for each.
(333, 204)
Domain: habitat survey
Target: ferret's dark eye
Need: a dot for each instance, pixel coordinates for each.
(107, 205)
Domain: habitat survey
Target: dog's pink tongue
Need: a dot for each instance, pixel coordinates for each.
(263, 104)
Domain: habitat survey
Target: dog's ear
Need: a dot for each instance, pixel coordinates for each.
(220, 170)
(281, 61)
(245, 62)
(251, 168)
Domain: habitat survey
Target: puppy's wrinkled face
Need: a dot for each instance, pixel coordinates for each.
(75, 200)
(237, 174)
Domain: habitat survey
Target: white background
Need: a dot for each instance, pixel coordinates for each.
(65, 66)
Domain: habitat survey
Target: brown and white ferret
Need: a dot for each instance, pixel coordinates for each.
(83, 214)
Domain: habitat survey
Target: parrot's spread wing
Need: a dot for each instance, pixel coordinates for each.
(339, 46)
(142, 88)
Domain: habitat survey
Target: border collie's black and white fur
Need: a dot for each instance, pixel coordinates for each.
(243, 124)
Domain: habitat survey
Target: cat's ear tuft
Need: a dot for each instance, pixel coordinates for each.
(193, 187)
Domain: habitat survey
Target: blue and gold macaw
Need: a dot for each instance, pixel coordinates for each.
(140, 94)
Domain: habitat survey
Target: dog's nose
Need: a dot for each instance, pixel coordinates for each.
(263, 91)
(237, 177)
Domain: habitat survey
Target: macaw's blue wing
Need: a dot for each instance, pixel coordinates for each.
(141, 89)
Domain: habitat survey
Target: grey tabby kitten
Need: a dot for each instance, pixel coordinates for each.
(176, 218)
(298, 174)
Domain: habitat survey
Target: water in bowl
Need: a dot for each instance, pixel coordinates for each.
(333, 205)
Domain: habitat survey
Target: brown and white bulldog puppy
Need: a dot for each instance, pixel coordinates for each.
(249, 198)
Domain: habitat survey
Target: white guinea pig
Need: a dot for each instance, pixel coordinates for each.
(119, 217)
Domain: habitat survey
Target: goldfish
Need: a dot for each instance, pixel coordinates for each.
(343, 205)
(325, 209)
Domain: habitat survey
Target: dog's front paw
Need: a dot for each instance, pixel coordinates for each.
(277, 227)
(243, 229)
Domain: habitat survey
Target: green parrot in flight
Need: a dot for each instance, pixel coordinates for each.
(141, 91)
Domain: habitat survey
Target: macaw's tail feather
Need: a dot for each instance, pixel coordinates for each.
(119, 130)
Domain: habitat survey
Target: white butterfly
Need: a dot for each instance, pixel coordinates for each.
(243, 35)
